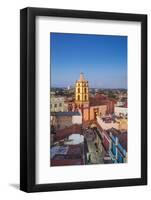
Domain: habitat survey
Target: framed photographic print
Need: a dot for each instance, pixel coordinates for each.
(83, 99)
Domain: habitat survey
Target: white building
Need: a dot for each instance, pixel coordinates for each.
(77, 119)
(120, 103)
(120, 111)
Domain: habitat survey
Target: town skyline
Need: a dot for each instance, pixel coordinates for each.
(88, 126)
(73, 86)
(102, 59)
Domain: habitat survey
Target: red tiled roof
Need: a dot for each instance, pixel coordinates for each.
(98, 99)
(74, 149)
(72, 157)
(113, 100)
(63, 133)
(101, 96)
(67, 162)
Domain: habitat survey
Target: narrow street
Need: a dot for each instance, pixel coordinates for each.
(95, 154)
(95, 157)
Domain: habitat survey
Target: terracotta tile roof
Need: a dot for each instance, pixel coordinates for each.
(74, 149)
(67, 162)
(63, 133)
(65, 113)
(99, 99)
(96, 101)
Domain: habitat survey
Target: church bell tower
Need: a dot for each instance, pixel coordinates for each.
(81, 91)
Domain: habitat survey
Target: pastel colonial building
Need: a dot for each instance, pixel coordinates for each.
(61, 120)
(114, 143)
(88, 108)
(121, 111)
(57, 104)
(119, 124)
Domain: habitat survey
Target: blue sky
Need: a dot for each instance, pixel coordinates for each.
(102, 59)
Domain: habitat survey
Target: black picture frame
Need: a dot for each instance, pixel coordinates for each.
(28, 99)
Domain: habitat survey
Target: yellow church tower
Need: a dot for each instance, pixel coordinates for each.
(81, 91)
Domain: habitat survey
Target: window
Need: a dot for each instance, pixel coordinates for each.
(85, 97)
(60, 104)
(55, 105)
(78, 90)
(78, 97)
(85, 90)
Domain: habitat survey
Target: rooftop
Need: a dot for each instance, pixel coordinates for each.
(65, 113)
(67, 162)
(66, 132)
(100, 99)
(69, 155)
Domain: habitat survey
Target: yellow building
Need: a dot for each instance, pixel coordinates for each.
(81, 91)
(123, 124)
(82, 101)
